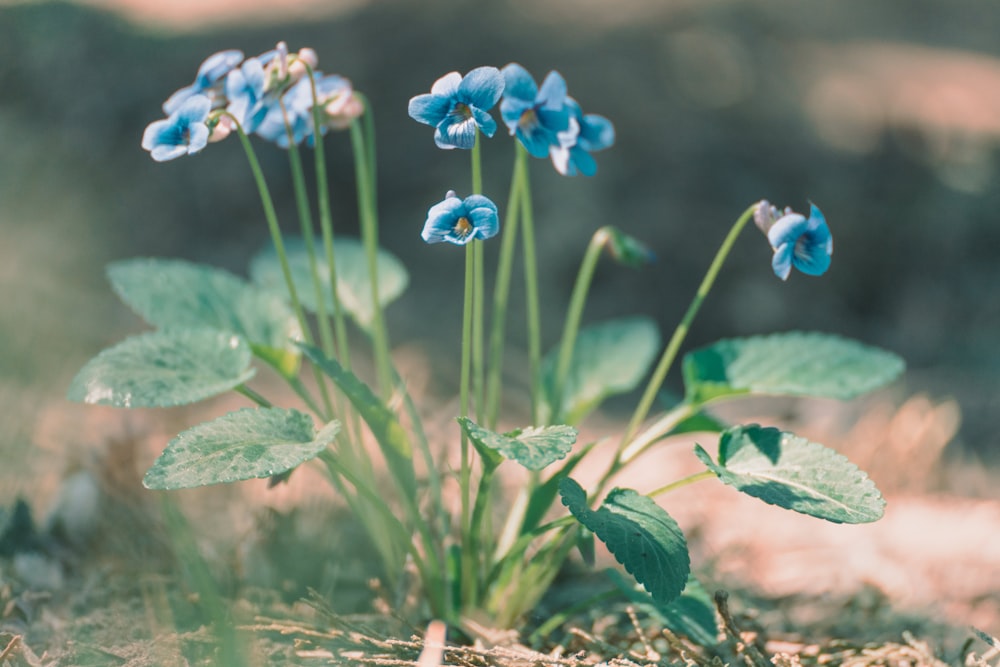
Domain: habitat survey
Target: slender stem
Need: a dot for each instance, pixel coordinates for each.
(279, 245)
(656, 430)
(479, 294)
(369, 236)
(465, 469)
(253, 396)
(501, 294)
(531, 288)
(670, 353)
(326, 225)
(577, 302)
(690, 479)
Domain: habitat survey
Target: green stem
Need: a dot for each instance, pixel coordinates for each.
(369, 237)
(279, 245)
(670, 353)
(501, 294)
(253, 396)
(531, 289)
(326, 226)
(479, 295)
(690, 479)
(465, 469)
(573, 316)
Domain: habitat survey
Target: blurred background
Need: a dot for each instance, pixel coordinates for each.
(887, 115)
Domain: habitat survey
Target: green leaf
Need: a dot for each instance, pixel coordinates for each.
(788, 364)
(246, 444)
(383, 422)
(534, 448)
(640, 534)
(608, 358)
(164, 368)
(353, 280)
(172, 293)
(785, 470)
(691, 615)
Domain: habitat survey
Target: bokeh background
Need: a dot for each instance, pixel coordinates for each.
(887, 115)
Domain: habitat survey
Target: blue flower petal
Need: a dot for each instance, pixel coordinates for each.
(481, 88)
(511, 110)
(217, 66)
(485, 121)
(165, 152)
(485, 222)
(456, 131)
(178, 98)
(782, 261)
(519, 84)
(537, 142)
(786, 230)
(447, 85)
(552, 94)
(554, 120)
(596, 133)
(429, 109)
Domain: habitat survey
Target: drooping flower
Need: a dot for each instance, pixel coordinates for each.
(805, 243)
(586, 134)
(339, 106)
(457, 106)
(255, 88)
(459, 221)
(184, 132)
(210, 80)
(535, 115)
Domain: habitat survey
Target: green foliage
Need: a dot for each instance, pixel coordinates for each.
(533, 448)
(171, 293)
(789, 364)
(692, 614)
(246, 444)
(383, 422)
(640, 534)
(164, 368)
(788, 471)
(608, 358)
(353, 278)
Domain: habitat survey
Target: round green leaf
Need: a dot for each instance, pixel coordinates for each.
(534, 448)
(786, 470)
(246, 444)
(608, 358)
(164, 368)
(170, 293)
(788, 364)
(353, 279)
(640, 534)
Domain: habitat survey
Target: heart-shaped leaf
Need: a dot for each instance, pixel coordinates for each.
(785, 470)
(164, 368)
(172, 293)
(353, 278)
(788, 364)
(246, 444)
(640, 534)
(608, 358)
(534, 448)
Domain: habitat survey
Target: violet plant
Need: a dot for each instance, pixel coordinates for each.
(211, 327)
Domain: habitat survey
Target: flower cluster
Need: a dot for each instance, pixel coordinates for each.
(805, 243)
(546, 120)
(272, 95)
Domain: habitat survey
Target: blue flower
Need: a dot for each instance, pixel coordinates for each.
(535, 115)
(247, 94)
(183, 133)
(457, 106)
(209, 80)
(585, 135)
(803, 243)
(459, 221)
(335, 97)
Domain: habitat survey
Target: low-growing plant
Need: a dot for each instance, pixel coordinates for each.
(211, 327)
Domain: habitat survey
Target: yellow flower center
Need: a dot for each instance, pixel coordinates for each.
(528, 120)
(462, 227)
